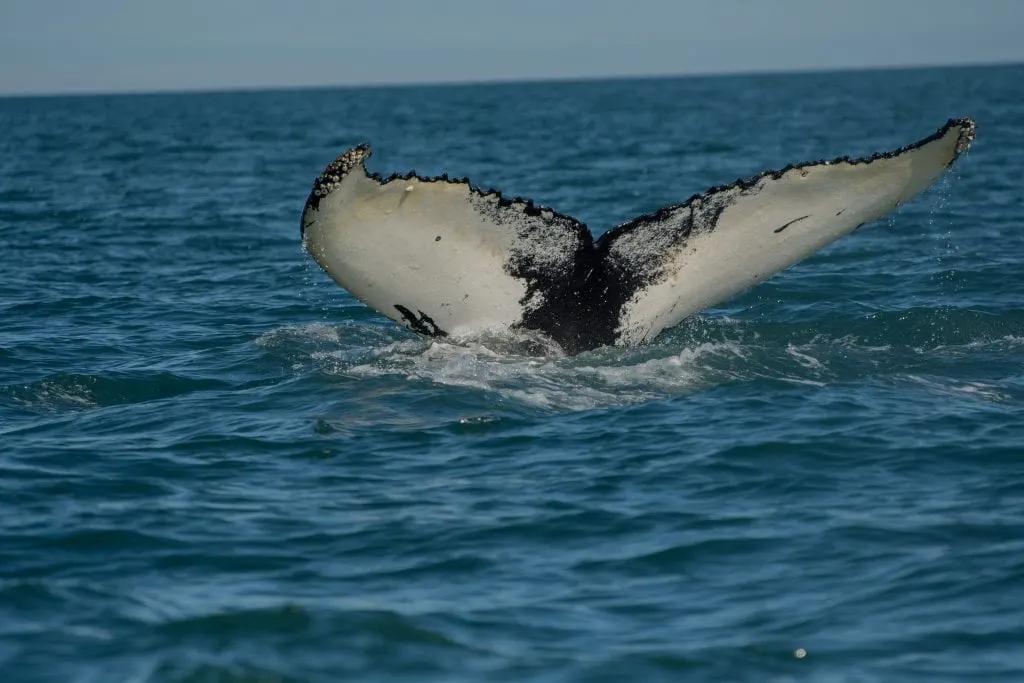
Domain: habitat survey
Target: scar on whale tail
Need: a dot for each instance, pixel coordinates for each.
(443, 257)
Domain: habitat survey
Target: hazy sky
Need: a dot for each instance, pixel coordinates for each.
(113, 45)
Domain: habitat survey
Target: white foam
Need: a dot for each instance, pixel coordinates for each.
(500, 366)
(527, 371)
(805, 359)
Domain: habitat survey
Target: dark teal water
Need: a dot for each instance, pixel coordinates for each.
(216, 465)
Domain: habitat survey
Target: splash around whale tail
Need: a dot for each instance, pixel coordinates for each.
(444, 257)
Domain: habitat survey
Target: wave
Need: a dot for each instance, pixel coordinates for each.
(61, 392)
(914, 346)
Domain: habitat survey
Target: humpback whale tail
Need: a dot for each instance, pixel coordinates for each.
(444, 257)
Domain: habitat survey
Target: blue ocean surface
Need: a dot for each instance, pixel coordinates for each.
(216, 465)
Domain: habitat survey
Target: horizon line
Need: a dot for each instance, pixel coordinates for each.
(516, 80)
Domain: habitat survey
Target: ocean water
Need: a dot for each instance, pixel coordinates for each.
(216, 465)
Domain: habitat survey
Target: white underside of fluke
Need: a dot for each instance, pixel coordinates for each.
(443, 257)
(421, 246)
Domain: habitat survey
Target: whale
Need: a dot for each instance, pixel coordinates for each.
(446, 258)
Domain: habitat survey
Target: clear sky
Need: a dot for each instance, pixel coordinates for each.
(115, 45)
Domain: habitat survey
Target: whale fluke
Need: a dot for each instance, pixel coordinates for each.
(443, 257)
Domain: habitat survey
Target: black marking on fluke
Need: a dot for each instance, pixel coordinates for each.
(422, 323)
(581, 303)
(795, 220)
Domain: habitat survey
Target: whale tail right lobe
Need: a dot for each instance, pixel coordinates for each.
(694, 255)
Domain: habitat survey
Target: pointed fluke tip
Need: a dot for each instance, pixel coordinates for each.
(356, 156)
(965, 138)
(333, 174)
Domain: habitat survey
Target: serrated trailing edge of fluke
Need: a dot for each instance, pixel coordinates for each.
(334, 173)
(964, 140)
